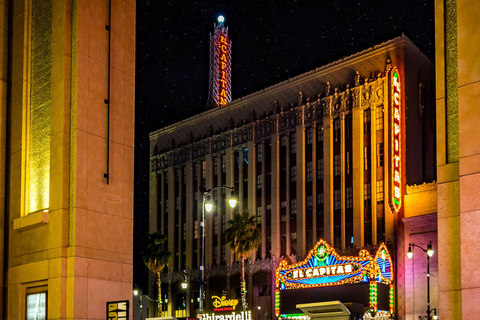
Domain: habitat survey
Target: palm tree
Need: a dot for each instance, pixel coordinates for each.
(243, 237)
(156, 256)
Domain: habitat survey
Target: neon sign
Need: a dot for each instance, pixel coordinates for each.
(220, 67)
(324, 267)
(223, 304)
(396, 153)
(223, 46)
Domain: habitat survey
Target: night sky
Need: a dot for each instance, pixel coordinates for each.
(272, 41)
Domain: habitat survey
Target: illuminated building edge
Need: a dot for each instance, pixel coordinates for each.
(321, 268)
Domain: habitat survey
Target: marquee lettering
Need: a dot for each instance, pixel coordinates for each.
(396, 152)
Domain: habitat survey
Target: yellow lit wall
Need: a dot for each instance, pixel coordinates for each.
(38, 131)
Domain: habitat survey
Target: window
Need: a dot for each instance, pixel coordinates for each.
(380, 191)
(366, 157)
(259, 211)
(293, 206)
(215, 254)
(293, 143)
(224, 222)
(366, 121)
(177, 203)
(309, 171)
(309, 135)
(216, 165)
(320, 169)
(320, 198)
(259, 217)
(309, 201)
(259, 153)
(184, 231)
(283, 204)
(259, 181)
(337, 164)
(349, 198)
(337, 200)
(36, 304)
(224, 164)
(380, 154)
(380, 118)
(348, 162)
(366, 191)
(204, 170)
(283, 141)
(215, 224)
(336, 128)
(293, 174)
(196, 229)
(320, 133)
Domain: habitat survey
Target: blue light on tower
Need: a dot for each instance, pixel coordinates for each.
(221, 19)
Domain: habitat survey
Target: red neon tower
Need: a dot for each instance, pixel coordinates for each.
(220, 84)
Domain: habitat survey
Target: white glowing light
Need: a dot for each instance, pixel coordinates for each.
(221, 19)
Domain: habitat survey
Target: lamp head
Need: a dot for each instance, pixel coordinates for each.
(208, 204)
(410, 252)
(136, 291)
(184, 283)
(430, 249)
(232, 201)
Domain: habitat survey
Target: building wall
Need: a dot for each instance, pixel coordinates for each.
(4, 17)
(305, 158)
(78, 248)
(457, 61)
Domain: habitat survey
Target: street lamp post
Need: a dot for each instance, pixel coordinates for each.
(429, 252)
(137, 291)
(207, 205)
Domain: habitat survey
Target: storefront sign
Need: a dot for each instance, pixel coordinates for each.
(243, 315)
(223, 304)
(396, 147)
(117, 310)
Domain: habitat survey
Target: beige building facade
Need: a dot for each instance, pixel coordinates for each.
(312, 158)
(458, 155)
(67, 143)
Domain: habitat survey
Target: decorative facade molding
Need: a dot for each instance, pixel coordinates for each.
(426, 186)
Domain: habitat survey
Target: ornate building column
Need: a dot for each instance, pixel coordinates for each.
(301, 208)
(190, 203)
(288, 198)
(357, 167)
(275, 196)
(328, 178)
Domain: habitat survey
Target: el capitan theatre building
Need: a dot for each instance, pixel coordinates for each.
(338, 166)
